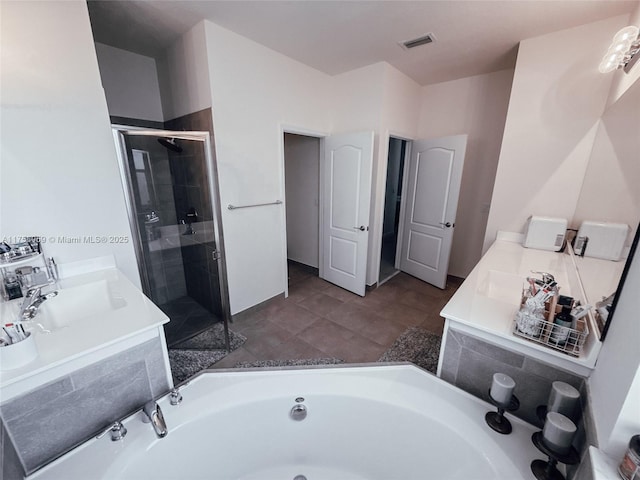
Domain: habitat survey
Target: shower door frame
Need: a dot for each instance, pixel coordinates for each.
(119, 132)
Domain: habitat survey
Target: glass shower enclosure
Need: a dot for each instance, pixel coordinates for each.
(171, 188)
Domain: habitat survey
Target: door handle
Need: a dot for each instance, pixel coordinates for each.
(448, 224)
(362, 228)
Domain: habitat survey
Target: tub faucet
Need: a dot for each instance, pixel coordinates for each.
(153, 413)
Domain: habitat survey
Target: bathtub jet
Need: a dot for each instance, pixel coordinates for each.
(298, 412)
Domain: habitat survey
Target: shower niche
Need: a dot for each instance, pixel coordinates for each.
(172, 198)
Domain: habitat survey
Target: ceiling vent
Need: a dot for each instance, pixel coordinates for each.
(416, 42)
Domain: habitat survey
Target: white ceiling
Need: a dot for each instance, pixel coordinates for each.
(472, 37)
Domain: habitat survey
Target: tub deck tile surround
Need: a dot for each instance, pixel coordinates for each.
(471, 368)
(488, 350)
(50, 431)
(48, 421)
(34, 400)
(10, 467)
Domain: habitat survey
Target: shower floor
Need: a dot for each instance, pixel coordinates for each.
(188, 318)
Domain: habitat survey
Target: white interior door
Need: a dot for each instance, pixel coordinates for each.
(346, 180)
(435, 171)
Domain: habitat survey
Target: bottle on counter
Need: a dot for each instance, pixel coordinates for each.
(562, 324)
(12, 288)
(629, 468)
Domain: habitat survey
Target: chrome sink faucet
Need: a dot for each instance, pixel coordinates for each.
(32, 302)
(153, 414)
(27, 304)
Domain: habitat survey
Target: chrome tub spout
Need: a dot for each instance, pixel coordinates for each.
(153, 414)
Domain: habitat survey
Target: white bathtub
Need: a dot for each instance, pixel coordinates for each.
(373, 422)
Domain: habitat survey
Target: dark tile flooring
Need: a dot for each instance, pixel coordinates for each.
(320, 320)
(188, 318)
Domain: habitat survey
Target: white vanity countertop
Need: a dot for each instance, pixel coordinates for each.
(92, 311)
(603, 467)
(490, 296)
(600, 278)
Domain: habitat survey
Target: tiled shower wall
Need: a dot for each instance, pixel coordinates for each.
(191, 191)
(166, 274)
(46, 422)
(181, 183)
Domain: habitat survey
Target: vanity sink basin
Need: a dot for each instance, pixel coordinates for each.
(502, 286)
(79, 302)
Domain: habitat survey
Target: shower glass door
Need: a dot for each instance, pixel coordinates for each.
(171, 185)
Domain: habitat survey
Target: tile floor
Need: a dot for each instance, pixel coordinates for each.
(188, 318)
(320, 320)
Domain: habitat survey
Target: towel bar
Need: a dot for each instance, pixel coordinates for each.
(234, 207)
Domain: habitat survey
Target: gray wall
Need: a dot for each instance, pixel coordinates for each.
(44, 423)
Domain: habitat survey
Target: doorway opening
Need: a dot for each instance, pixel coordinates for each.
(302, 192)
(327, 204)
(392, 202)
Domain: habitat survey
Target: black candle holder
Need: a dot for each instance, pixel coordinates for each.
(547, 470)
(541, 413)
(496, 420)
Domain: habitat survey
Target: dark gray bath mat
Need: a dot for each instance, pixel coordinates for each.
(186, 363)
(191, 356)
(212, 339)
(289, 363)
(415, 345)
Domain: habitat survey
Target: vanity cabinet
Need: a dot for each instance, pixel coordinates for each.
(101, 354)
(478, 337)
(95, 315)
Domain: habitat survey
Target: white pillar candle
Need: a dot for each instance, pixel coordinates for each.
(502, 388)
(558, 433)
(563, 399)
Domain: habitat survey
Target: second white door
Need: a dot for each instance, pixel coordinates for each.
(346, 183)
(435, 172)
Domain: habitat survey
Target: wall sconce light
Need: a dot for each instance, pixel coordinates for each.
(623, 51)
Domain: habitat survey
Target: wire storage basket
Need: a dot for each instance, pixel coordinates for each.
(540, 328)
